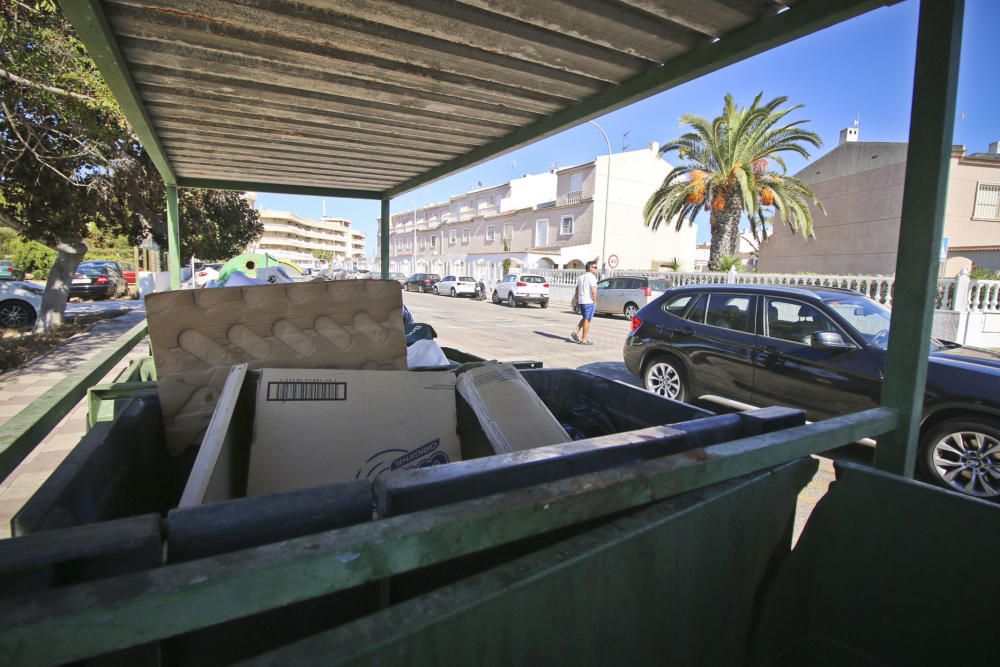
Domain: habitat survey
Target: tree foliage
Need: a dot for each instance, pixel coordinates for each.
(727, 172)
(69, 160)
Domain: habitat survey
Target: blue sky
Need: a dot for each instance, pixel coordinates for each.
(861, 68)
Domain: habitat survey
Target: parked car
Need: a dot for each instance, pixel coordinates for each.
(456, 286)
(20, 303)
(519, 289)
(627, 294)
(97, 281)
(10, 272)
(400, 277)
(421, 282)
(822, 350)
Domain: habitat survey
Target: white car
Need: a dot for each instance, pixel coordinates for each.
(518, 289)
(20, 303)
(455, 286)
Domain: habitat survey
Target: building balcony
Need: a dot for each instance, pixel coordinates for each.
(572, 197)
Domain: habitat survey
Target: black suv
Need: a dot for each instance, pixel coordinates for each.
(821, 350)
(421, 282)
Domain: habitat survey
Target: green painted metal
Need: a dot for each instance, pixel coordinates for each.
(94, 618)
(673, 583)
(280, 188)
(939, 41)
(383, 225)
(173, 238)
(29, 427)
(799, 20)
(101, 399)
(93, 30)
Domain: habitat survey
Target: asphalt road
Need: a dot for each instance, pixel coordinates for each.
(526, 332)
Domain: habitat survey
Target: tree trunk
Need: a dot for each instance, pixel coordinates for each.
(725, 231)
(70, 254)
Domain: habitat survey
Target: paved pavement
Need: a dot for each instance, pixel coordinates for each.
(20, 387)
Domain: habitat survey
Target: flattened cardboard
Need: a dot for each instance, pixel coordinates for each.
(198, 335)
(314, 427)
(512, 415)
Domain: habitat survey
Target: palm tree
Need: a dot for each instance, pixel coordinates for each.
(727, 174)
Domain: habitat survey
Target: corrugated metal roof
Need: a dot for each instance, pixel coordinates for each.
(376, 95)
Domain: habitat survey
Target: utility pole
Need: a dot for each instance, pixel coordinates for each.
(607, 196)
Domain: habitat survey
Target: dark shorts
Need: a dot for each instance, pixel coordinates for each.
(587, 311)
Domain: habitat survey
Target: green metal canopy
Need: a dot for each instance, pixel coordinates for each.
(371, 98)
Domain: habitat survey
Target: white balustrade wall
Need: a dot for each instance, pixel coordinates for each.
(966, 310)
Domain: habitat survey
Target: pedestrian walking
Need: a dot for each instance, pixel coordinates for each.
(586, 298)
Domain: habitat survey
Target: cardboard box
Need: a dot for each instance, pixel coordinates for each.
(278, 430)
(315, 427)
(197, 336)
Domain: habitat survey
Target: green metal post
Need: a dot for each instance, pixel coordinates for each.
(173, 239)
(932, 119)
(383, 223)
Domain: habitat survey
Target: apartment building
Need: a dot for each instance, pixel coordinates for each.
(296, 239)
(861, 185)
(551, 220)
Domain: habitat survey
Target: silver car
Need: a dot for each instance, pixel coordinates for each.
(627, 294)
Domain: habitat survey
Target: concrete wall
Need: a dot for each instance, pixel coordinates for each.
(861, 186)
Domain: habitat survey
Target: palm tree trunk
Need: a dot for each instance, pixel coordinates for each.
(725, 231)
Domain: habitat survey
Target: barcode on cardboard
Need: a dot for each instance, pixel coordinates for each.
(307, 391)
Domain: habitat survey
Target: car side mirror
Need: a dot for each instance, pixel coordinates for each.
(829, 340)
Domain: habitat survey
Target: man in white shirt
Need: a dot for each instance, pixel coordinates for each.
(586, 298)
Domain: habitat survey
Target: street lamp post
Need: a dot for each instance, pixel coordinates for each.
(607, 196)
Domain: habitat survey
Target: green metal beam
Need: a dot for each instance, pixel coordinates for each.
(89, 619)
(383, 225)
(932, 121)
(799, 20)
(173, 238)
(22, 433)
(278, 188)
(93, 30)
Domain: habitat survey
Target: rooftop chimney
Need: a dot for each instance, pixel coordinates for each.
(848, 134)
(994, 148)
(654, 147)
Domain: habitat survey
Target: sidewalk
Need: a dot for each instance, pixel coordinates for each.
(20, 387)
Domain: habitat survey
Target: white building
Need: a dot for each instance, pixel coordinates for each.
(298, 240)
(551, 220)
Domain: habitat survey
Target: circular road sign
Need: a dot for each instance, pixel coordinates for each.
(613, 261)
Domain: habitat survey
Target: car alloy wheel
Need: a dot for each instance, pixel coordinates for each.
(663, 379)
(630, 310)
(510, 300)
(967, 461)
(496, 298)
(435, 290)
(14, 315)
(453, 293)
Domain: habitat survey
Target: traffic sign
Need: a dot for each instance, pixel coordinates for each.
(613, 261)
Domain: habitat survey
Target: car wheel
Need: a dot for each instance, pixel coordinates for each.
(15, 314)
(664, 377)
(496, 298)
(510, 300)
(544, 304)
(963, 455)
(422, 289)
(453, 293)
(630, 310)
(435, 290)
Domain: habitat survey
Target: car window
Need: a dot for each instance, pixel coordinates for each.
(659, 285)
(678, 304)
(532, 279)
(697, 312)
(467, 279)
(447, 279)
(434, 276)
(604, 284)
(795, 321)
(729, 311)
(634, 283)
